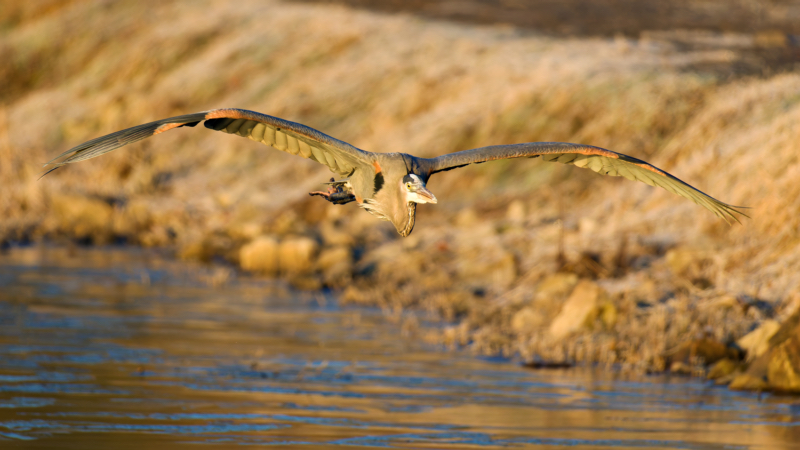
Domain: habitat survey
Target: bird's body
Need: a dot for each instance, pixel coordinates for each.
(389, 185)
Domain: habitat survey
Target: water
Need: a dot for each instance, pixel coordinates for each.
(109, 348)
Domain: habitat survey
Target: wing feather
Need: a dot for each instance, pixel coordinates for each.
(602, 161)
(234, 126)
(246, 128)
(292, 146)
(257, 133)
(305, 150)
(269, 136)
(317, 155)
(280, 141)
(281, 134)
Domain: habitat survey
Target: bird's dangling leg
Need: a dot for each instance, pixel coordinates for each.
(338, 192)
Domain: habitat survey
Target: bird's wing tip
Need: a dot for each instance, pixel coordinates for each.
(729, 211)
(56, 166)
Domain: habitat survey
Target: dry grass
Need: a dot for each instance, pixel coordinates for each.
(397, 83)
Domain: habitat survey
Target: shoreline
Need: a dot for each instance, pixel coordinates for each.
(508, 245)
(583, 321)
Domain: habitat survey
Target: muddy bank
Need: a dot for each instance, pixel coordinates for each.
(551, 262)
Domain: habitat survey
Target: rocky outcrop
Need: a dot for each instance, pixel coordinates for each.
(260, 255)
(296, 255)
(756, 343)
(587, 302)
(693, 357)
(778, 367)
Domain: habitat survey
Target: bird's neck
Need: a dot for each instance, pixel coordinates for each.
(412, 215)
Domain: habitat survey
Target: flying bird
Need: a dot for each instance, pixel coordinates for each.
(389, 185)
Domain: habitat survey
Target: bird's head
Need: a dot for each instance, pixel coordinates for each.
(416, 191)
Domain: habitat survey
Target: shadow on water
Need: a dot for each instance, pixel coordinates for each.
(108, 348)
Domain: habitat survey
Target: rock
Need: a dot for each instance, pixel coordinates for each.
(260, 255)
(790, 328)
(756, 343)
(708, 349)
(296, 255)
(526, 320)
(246, 230)
(557, 285)
(711, 350)
(551, 292)
(783, 371)
(724, 302)
(722, 368)
(680, 368)
(580, 310)
(747, 382)
(778, 368)
(783, 358)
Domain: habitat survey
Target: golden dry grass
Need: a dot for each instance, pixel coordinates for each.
(77, 70)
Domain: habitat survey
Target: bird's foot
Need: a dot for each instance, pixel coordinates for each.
(336, 193)
(337, 198)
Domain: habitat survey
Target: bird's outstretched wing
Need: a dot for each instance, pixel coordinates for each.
(602, 161)
(283, 135)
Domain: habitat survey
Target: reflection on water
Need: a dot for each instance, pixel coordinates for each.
(120, 348)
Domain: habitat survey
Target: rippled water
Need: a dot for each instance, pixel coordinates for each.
(109, 348)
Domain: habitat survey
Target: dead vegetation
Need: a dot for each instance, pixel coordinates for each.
(510, 244)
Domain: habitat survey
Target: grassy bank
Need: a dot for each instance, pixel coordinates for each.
(508, 245)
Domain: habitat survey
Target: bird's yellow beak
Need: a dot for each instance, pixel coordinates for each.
(422, 195)
(427, 195)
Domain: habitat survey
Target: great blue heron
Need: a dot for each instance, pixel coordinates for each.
(389, 185)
